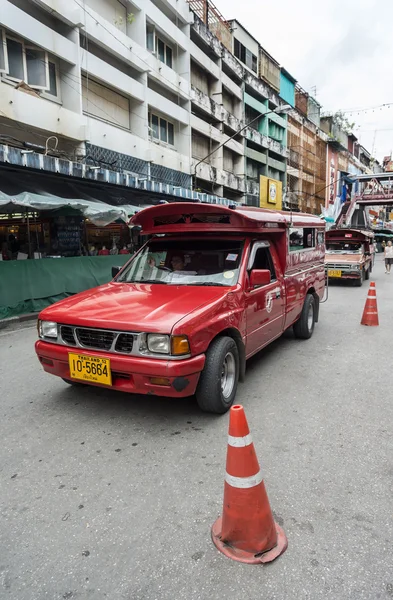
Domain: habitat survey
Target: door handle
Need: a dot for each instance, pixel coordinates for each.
(278, 295)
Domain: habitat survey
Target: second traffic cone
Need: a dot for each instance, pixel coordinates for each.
(246, 532)
(370, 313)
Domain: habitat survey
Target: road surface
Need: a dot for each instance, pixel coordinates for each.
(104, 495)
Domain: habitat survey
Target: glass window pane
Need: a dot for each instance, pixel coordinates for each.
(171, 136)
(161, 50)
(15, 59)
(163, 130)
(150, 38)
(254, 63)
(154, 126)
(169, 56)
(52, 79)
(36, 68)
(296, 239)
(2, 52)
(237, 48)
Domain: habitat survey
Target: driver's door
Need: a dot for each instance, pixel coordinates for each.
(264, 304)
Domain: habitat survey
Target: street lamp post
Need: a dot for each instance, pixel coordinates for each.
(279, 110)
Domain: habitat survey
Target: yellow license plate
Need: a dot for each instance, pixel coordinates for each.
(334, 273)
(90, 368)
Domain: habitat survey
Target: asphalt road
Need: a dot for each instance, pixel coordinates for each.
(104, 495)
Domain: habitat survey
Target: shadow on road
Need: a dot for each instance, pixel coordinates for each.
(103, 403)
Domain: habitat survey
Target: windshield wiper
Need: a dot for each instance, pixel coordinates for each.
(150, 281)
(211, 283)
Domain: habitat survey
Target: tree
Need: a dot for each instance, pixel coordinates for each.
(343, 123)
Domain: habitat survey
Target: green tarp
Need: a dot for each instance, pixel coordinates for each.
(30, 285)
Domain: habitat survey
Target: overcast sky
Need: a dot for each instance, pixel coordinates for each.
(343, 47)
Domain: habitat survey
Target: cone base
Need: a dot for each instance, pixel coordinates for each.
(243, 555)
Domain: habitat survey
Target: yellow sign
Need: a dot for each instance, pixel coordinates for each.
(270, 193)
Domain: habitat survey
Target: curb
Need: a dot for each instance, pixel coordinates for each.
(19, 319)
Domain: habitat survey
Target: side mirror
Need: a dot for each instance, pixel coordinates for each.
(115, 271)
(260, 277)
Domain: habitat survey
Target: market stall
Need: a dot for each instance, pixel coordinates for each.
(53, 247)
(30, 285)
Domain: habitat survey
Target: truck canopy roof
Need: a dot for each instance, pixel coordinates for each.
(179, 217)
(356, 235)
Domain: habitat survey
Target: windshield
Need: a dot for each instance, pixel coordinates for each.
(186, 262)
(344, 248)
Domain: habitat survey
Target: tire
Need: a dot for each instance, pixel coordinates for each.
(359, 282)
(304, 326)
(217, 385)
(367, 273)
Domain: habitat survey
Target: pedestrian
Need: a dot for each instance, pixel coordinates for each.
(388, 256)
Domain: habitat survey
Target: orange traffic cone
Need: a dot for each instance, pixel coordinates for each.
(370, 313)
(246, 531)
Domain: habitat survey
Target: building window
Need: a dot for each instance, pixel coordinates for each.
(52, 79)
(105, 104)
(161, 129)
(22, 62)
(246, 56)
(3, 52)
(158, 47)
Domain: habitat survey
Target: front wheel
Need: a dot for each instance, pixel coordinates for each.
(359, 282)
(217, 385)
(367, 274)
(304, 326)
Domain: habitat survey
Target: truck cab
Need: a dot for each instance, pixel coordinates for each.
(349, 254)
(211, 287)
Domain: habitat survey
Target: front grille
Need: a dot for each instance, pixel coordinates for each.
(341, 267)
(124, 343)
(95, 338)
(67, 335)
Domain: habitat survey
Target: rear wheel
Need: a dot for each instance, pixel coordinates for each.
(217, 385)
(304, 327)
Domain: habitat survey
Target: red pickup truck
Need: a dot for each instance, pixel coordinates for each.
(211, 287)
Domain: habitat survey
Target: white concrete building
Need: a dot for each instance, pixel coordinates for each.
(104, 77)
(124, 84)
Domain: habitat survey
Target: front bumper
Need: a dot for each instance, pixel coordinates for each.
(129, 373)
(345, 274)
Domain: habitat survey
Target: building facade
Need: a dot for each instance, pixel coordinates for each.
(307, 144)
(104, 77)
(346, 159)
(163, 98)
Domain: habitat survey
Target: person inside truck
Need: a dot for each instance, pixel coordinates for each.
(178, 263)
(179, 269)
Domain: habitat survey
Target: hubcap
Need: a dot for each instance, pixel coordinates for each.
(310, 317)
(228, 375)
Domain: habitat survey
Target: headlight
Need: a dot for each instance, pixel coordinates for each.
(47, 329)
(158, 343)
(355, 268)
